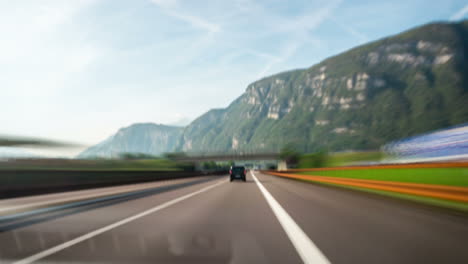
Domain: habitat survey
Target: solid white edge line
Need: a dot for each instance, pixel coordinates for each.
(307, 250)
(94, 233)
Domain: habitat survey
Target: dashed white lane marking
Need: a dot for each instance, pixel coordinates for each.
(79, 239)
(307, 250)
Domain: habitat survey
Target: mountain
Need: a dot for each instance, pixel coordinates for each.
(396, 87)
(146, 138)
(184, 121)
(392, 88)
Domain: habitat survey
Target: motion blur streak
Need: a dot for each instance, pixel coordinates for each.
(234, 223)
(445, 144)
(77, 240)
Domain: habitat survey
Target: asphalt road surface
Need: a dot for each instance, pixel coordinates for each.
(211, 220)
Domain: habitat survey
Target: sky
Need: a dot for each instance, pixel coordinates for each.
(79, 70)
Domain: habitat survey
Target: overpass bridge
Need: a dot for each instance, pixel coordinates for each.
(233, 157)
(229, 157)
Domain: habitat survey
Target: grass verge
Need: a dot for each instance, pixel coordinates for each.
(441, 176)
(425, 200)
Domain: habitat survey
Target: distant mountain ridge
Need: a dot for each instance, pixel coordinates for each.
(399, 86)
(395, 87)
(142, 138)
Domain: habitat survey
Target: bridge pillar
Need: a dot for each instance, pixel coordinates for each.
(282, 165)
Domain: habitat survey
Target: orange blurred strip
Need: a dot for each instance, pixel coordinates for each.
(390, 166)
(453, 193)
(435, 187)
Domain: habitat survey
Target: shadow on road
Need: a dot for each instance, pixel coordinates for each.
(250, 181)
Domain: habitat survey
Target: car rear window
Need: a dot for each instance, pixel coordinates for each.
(237, 169)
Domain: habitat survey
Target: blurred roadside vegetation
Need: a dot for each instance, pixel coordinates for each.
(127, 161)
(291, 155)
(441, 176)
(322, 158)
(350, 158)
(313, 160)
(172, 162)
(215, 166)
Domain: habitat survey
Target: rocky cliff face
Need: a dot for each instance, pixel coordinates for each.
(151, 139)
(414, 82)
(392, 88)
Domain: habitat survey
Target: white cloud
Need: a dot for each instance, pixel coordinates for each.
(261, 54)
(460, 13)
(43, 49)
(165, 3)
(362, 38)
(286, 54)
(170, 7)
(40, 60)
(300, 29)
(73, 71)
(309, 21)
(196, 21)
(25, 27)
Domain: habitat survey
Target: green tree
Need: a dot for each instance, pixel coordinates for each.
(313, 160)
(290, 154)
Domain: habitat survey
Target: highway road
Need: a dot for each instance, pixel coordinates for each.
(211, 220)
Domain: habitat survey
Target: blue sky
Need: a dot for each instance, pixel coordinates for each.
(80, 70)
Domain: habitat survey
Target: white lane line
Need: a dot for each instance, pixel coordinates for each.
(94, 233)
(307, 250)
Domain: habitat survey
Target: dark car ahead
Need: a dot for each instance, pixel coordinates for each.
(237, 173)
